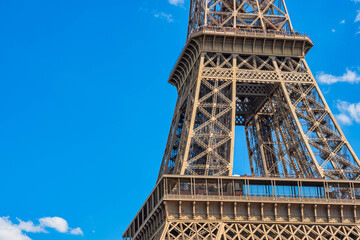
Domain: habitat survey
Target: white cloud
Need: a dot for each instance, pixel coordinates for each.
(343, 22)
(357, 19)
(59, 224)
(76, 231)
(12, 231)
(333, 30)
(30, 227)
(349, 112)
(176, 2)
(343, 118)
(349, 77)
(165, 16)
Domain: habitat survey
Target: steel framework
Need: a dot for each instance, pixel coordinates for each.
(244, 65)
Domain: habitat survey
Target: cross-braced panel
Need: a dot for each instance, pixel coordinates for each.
(256, 14)
(327, 142)
(191, 231)
(179, 130)
(290, 130)
(275, 145)
(258, 231)
(209, 152)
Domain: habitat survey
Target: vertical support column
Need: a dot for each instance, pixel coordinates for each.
(180, 209)
(183, 161)
(235, 213)
(289, 211)
(355, 215)
(261, 146)
(206, 13)
(233, 117)
(249, 151)
(208, 210)
(234, 13)
(165, 231)
(298, 124)
(221, 231)
(302, 213)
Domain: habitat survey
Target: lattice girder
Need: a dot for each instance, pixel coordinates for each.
(290, 130)
(257, 231)
(244, 65)
(256, 14)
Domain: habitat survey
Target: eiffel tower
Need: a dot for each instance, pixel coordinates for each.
(244, 65)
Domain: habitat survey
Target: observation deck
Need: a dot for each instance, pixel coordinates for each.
(243, 41)
(250, 32)
(248, 200)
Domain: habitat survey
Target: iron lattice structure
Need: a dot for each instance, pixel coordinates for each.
(244, 65)
(263, 14)
(234, 73)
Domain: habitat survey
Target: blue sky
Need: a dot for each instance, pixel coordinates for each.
(86, 106)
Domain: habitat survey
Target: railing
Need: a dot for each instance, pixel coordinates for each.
(191, 187)
(245, 188)
(248, 31)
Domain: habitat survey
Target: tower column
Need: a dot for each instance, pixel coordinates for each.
(294, 115)
(185, 164)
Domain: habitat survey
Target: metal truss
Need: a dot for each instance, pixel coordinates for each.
(261, 14)
(257, 231)
(244, 65)
(290, 129)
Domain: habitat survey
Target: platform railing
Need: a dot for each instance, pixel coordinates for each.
(249, 31)
(244, 188)
(251, 187)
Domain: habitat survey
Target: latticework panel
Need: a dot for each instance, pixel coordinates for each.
(332, 151)
(258, 231)
(290, 130)
(209, 151)
(258, 14)
(189, 231)
(180, 126)
(276, 147)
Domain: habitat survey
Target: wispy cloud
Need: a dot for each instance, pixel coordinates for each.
(164, 16)
(357, 19)
(59, 224)
(13, 231)
(30, 227)
(76, 231)
(343, 21)
(349, 77)
(176, 2)
(349, 112)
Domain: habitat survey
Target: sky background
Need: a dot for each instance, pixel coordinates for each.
(86, 107)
